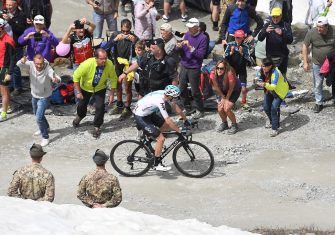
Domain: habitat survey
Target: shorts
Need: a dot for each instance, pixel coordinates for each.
(169, 1)
(243, 79)
(234, 96)
(3, 72)
(150, 124)
(216, 2)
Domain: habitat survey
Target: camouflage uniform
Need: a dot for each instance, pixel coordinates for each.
(33, 182)
(100, 187)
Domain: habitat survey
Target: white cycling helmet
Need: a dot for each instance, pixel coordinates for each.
(172, 90)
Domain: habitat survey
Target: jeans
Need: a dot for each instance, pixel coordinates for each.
(39, 107)
(318, 84)
(99, 22)
(193, 77)
(271, 106)
(16, 81)
(99, 106)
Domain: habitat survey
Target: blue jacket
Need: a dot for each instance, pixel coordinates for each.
(236, 18)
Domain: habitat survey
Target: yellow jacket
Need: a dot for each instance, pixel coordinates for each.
(278, 84)
(84, 74)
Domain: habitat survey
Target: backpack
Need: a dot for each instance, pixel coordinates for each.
(63, 93)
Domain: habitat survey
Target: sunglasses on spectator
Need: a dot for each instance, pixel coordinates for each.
(125, 31)
(220, 68)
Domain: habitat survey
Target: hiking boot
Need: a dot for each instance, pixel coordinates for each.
(233, 129)
(165, 18)
(274, 133)
(126, 112)
(317, 108)
(76, 121)
(115, 110)
(127, 7)
(198, 114)
(96, 132)
(161, 167)
(268, 124)
(184, 18)
(44, 142)
(223, 126)
(245, 106)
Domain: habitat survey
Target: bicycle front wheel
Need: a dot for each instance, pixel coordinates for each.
(193, 159)
(130, 158)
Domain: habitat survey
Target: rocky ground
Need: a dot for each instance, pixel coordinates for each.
(258, 181)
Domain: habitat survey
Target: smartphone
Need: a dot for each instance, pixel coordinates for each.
(179, 34)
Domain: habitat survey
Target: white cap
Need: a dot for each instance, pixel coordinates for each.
(192, 22)
(322, 20)
(39, 19)
(166, 27)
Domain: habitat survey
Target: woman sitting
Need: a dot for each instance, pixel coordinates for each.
(228, 88)
(275, 90)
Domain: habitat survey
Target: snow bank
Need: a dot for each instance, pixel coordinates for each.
(19, 216)
(300, 8)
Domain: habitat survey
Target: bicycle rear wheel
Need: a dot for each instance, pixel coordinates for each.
(130, 158)
(193, 159)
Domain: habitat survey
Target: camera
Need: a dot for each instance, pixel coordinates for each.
(37, 37)
(78, 25)
(4, 11)
(179, 34)
(97, 3)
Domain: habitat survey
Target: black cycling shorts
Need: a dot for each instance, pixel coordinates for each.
(216, 2)
(2, 77)
(150, 124)
(243, 78)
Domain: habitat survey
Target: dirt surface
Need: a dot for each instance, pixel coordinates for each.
(258, 181)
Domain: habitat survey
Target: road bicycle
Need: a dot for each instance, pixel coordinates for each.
(135, 157)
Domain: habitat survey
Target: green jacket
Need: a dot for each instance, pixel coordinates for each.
(84, 74)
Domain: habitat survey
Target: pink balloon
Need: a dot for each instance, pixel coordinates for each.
(62, 49)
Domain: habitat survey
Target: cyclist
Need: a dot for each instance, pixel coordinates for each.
(151, 116)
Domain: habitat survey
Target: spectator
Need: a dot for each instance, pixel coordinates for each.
(123, 46)
(80, 40)
(170, 41)
(193, 50)
(228, 88)
(139, 50)
(321, 39)
(33, 181)
(104, 10)
(157, 69)
(316, 8)
(100, 189)
(237, 54)
(7, 63)
(41, 75)
(38, 39)
(32, 8)
(167, 10)
(278, 35)
(17, 20)
(91, 78)
(146, 16)
(211, 44)
(287, 8)
(237, 16)
(275, 90)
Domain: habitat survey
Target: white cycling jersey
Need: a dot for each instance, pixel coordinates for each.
(150, 104)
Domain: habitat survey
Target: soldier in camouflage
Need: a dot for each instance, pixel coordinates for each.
(33, 181)
(100, 189)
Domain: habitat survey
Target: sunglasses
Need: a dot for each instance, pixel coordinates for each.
(125, 31)
(220, 68)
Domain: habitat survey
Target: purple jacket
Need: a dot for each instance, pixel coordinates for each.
(193, 60)
(42, 47)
